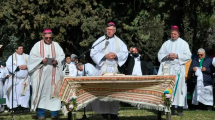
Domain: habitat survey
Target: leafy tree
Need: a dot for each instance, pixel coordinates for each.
(76, 24)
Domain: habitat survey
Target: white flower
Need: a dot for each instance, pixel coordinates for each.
(71, 106)
(167, 95)
(74, 97)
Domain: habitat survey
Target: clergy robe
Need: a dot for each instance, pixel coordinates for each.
(44, 76)
(21, 78)
(71, 69)
(176, 66)
(3, 75)
(98, 53)
(89, 70)
(204, 82)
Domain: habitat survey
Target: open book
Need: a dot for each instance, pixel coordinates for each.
(50, 60)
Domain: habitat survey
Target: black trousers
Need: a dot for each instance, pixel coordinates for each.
(113, 116)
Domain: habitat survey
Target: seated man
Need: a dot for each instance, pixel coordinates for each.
(85, 69)
(203, 93)
(69, 68)
(74, 59)
(135, 64)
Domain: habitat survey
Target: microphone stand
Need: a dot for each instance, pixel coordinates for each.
(12, 88)
(12, 112)
(83, 54)
(106, 38)
(84, 115)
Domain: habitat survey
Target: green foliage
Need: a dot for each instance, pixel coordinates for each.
(78, 23)
(146, 33)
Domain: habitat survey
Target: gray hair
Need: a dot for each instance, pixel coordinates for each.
(74, 56)
(114, 27)
(201, 50)
(79, 65)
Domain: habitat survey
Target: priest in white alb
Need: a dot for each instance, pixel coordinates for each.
(21, 89)
(69, 68)
(4, 74)
(108, 55)
(175, 53)
(45, 67)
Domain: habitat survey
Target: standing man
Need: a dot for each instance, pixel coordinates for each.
(45, 66)
(202, 69)
(69, 68)
(88, 68)
(175, 53)
(135, 64)
(108, 55)
(21, 89)
(3, 76)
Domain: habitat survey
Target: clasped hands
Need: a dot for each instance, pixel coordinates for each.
(172, 56)
(54, 62)
(22, 67)
(110, 56)
(203, 69)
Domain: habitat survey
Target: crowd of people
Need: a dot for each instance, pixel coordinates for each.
(36, 74)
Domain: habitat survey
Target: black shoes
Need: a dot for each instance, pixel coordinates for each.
(173, 110)
(112, 116)
(179, 109)
(16, 110)
(20, 109)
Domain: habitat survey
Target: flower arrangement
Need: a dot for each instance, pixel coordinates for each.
(70, 106)
(167, 99)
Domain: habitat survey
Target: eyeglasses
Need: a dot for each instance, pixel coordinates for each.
(46, 38)
(200, 54)
(109, 29)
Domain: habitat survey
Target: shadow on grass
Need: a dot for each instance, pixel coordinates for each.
(123, 118)
(10, 114)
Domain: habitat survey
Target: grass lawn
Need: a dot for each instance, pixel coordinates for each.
(125, 113)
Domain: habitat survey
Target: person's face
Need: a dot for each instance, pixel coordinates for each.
(68, 60)
(81, 68)
(47, 38)
(110, 31)
(174, 35)
(74, 60)
(19, 50)
(201, 55)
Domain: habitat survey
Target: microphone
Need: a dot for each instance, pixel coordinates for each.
(107, 43)
(106, 37)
